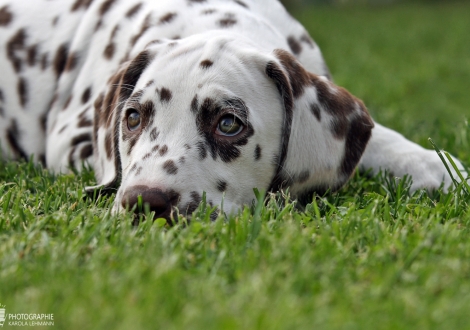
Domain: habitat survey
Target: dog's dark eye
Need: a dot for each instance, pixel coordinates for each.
(229, 125)
(133, 120)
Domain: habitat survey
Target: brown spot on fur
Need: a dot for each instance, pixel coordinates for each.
(43, 122)
(316, 111)
(71, 157)
(154, 134)
(109, 51)
(86, 95)
(133, 168)
(15, 44)
(145, 26)
(13, 137)
(294, 45)
(241, 3)
(133, 10)
(32, 52)
(206, 64)
(60, 59)
(79, 4)
(44, 61)
(106, 6)
(5, 16)
(208, 11)
(170, 167)
(202, 150)
(84, 137)
(194, 104)
(83, 121)
(228, 21)
(163, 150)
(302, 177)
(167, 18)
(165, 95)
(22, 91)
(221, 186)
(86, 152)
(257, 152)
(67, 102)
(72, 61)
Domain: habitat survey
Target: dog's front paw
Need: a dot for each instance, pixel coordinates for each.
(428, 171)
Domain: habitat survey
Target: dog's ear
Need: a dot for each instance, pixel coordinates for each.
(108, 107)
(325, 129)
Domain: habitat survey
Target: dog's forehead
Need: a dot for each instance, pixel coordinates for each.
(195, 62)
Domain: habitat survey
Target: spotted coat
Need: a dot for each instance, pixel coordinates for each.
(169, 99)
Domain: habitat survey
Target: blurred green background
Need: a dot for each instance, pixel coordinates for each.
(408, 60)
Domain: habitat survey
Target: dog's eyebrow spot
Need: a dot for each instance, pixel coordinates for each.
(170, 167)
(163, 150)
(206, 64)
(257, 152)
(138, 170)
(165, 95)
(221, 186)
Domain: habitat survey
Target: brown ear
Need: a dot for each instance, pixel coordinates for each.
(325, 132)
(108, 107)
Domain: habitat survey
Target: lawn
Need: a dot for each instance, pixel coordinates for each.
(371, 256)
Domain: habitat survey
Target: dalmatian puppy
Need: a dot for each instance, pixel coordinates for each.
(172, 98)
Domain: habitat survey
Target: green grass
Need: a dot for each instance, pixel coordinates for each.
(371, 256)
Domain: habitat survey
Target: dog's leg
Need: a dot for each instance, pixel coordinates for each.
(389, 150)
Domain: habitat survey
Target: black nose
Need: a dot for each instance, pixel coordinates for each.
(157, 200)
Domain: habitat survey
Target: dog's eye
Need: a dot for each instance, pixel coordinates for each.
(229, 125)
(133, 120)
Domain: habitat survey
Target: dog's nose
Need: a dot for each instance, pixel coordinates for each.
(157, 200)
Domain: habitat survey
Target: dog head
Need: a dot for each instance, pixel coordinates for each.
(215, 114)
